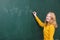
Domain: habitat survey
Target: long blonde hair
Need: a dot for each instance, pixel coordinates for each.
(53, 16)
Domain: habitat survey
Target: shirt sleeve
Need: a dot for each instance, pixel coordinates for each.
(39, 21)
(52, 31)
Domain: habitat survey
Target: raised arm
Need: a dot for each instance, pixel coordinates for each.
(38, 20)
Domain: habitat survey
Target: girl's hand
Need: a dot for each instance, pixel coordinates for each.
(34, 13)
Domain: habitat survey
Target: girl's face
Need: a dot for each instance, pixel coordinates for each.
(48, 18)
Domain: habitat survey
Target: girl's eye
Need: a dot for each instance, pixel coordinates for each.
(52, 18)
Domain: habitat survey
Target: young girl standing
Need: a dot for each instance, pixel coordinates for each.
(48, 26)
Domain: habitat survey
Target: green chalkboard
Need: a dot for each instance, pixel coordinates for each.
(18, 23)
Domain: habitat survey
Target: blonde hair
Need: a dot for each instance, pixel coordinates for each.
(53, 16)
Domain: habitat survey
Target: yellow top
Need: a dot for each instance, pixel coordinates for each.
(48, 30)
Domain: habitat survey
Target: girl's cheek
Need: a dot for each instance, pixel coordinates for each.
(48, 19)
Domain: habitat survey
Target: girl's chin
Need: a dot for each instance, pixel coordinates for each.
(47, 20)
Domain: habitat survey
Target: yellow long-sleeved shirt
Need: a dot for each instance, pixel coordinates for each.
(48, 30)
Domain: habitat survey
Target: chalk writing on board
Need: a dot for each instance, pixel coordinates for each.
(18, 11)
(12, 10)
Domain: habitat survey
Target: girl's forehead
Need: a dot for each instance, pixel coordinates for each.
(48, 14)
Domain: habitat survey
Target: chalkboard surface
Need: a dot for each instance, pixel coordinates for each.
(18, 23)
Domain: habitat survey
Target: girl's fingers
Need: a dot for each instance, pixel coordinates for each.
(34, 12)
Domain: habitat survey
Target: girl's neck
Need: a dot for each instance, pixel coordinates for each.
(48, 23)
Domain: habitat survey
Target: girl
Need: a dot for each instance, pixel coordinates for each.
(49, 25)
